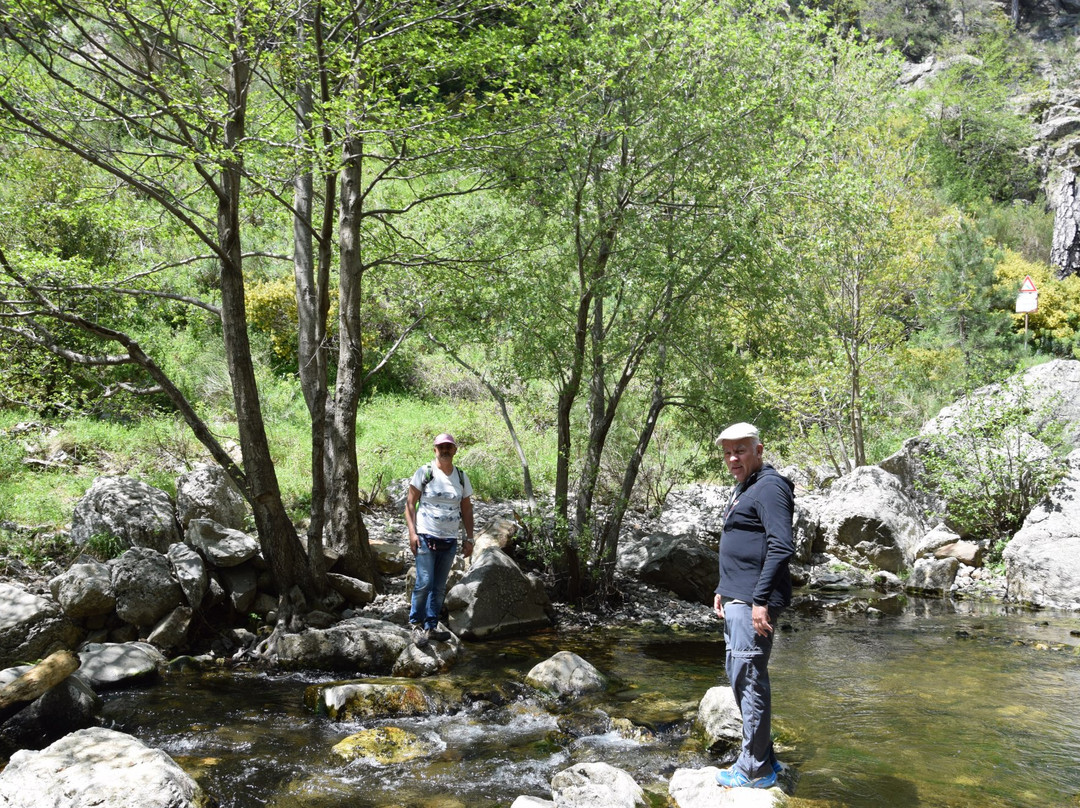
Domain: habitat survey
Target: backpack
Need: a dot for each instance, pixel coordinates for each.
(429, 475)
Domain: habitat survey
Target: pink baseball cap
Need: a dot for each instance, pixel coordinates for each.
(445, 437)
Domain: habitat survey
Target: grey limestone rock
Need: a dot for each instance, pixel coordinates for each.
(566, 674)
(98, 767)
(144, 586)
(133, 511)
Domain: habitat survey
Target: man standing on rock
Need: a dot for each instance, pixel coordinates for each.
(755, 584)
(444, 496)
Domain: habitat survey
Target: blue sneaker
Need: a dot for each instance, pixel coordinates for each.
(733, 778)
(777, 766)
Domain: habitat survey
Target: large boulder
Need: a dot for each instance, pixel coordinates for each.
(145, 588)
(495, 598)
(98, 767)
(696, 510)
(1042, 561)
(697, 788)
(85, 590)
(867, 519)
(719, 721)
(596, 785)
(221, 546)
(358, 645)
(31, 627)
(566, 674)
(208, 493)
(130, 510)
(679, 564)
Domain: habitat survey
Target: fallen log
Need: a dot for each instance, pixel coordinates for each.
(36, 682)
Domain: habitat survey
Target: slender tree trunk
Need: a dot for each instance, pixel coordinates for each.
(281, 546)
(350, 538)
(311, 320)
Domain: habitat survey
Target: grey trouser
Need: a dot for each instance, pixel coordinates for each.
(747, 666)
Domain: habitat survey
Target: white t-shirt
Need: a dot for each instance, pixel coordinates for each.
(439, 513)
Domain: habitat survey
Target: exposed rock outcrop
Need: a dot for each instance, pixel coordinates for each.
(1042, 561)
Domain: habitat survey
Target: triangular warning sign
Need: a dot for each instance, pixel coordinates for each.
(1029, 285)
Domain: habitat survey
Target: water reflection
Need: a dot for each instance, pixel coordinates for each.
(891, 702)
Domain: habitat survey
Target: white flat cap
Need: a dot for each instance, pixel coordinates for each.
(738, 432)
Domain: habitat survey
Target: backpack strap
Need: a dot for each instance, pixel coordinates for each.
(429, 475)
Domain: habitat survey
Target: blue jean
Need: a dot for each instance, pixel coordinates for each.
(747, 666)
(432, 570)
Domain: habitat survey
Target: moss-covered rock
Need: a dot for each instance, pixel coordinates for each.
(384, 745)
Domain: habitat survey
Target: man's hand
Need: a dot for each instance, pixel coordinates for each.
(718, 606)
(414, 542)
(760, 617)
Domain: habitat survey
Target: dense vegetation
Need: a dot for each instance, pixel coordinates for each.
(582, 237)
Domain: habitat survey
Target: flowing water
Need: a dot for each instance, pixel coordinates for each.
(917, 703)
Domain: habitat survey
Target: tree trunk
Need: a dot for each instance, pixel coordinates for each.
(36, 682)
(311, 322)
(349, 539)
(280, 544)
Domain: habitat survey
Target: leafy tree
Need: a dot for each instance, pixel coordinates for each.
(974, 142)
(643, 206)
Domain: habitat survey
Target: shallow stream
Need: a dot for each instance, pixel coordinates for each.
(918, 703)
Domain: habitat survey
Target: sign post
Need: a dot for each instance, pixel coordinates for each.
(1027, 301)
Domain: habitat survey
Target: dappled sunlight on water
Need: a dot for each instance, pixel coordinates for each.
(923, 704)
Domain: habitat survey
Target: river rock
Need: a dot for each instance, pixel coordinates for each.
(719, 721)
(355, 591)
(222, 546)
(596, 785)
(85, 590)
(566, 674)
(867, 519)
(98, 767)
(384, 746)
(106, 665)
(495, 598)
(697, 788)
(968, 553)
(358, 645)
(1042, 561)
(208, 493)
(190, 571)
(438, 656)
(172, 631)
(361, 700)
(531, 802)
(65, 707)
(144, 586)
(940, 536)
(31, 626)
(242, 584)
(679, 564)
(932, 576)
(134, 512)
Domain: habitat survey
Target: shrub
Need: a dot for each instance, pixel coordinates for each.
(995, 462)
